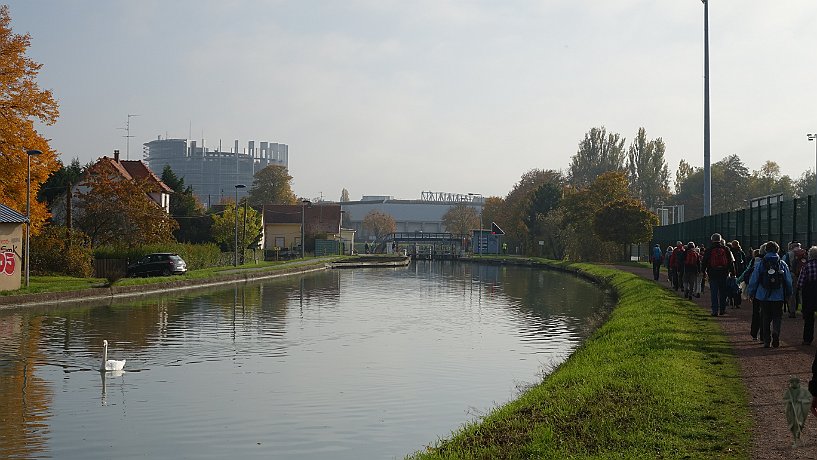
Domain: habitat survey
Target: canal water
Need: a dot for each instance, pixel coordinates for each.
(339, 364)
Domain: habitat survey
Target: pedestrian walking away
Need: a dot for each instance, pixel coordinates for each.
(656, 257)
(718, 264)
(770, 284)
(807, 284)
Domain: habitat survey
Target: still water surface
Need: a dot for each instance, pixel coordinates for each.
(332, 365)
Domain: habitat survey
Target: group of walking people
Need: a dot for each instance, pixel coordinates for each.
(775, 281)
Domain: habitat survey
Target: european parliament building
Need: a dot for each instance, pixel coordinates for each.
(213, 174)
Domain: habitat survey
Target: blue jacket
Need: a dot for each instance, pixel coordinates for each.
(756, 289)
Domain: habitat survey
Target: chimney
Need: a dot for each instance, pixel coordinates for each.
(116, 156)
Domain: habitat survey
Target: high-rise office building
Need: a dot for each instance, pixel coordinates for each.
(213, 174)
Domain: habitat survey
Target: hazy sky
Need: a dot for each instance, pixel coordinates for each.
(396, 97)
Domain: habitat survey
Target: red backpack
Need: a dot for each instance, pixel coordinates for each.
(692, 259)
(719, 258)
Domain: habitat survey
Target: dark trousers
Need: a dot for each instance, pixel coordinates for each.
(717, 289)
(771, 314)
(808, 324)
(754, 329)
(656, 270)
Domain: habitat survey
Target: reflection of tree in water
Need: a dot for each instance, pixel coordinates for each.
(24, 398)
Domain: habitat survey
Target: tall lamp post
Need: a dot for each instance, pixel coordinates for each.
(813, 137)
(480, 220)
(707, 168)
(303, 222)
(29, 153)
(235, 254)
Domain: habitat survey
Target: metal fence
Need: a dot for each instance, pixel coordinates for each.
(785, 221)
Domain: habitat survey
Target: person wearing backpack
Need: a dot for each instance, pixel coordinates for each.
(692, 266)
(770, 284)
(754, 328)
(807, 284)
(656, 257)
(718, 265)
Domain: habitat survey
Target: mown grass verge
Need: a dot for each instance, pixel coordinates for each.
(47, 284)
(657, 380)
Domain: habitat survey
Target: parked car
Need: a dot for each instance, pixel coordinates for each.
(159, 263)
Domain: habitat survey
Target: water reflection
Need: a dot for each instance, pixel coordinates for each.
(334, 364)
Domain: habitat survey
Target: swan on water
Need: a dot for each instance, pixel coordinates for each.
(110, 364)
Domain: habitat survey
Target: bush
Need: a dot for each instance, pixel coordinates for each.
(58, 251)
(197, 256)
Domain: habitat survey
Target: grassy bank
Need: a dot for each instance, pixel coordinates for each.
(46, 284)
(658, 380)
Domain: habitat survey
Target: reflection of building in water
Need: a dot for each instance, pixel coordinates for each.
(25, 399)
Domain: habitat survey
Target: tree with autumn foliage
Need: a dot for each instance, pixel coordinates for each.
(22, 102)
(379, 224)
(113, 210)
(271, 185)
(624, 221)
(460, 219)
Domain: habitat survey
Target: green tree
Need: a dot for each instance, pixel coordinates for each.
(543, 201)
(599, 152)
(648, 171)
(111, 210)
(517, 204)
(224, 226)
(682, 174)
(624, 221)
(271, 185)
(344, 195)
(767, 181)
(580, 207)
(460, 219)
(60, 181)
(730, 188)
(194, 225)
(806, 184)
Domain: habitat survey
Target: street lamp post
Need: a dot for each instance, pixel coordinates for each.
(813, 137)
(480, 221)
(707, 168)
(303, 222)
(29, 153)
(235, 254)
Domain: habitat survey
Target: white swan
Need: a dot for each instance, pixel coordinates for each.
(110, 364)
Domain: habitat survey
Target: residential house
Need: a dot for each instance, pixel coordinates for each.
(282, 226)
(11, 248)
(158, 191)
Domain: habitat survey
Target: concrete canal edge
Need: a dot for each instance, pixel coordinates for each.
(115, 292)
(228, 277)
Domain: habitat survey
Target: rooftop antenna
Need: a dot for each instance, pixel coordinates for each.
(127, 135)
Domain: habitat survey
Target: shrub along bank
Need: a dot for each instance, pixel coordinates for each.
(657, 380)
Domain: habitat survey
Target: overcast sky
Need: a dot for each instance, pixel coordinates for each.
(396, 97)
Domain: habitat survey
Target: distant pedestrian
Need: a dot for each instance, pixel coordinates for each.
(770, 284)
(699, 280)
(667, 256)
(738, 255)
(796, 257)
(718, 265)
(807, 284)
(677, 265)
(656, 257)
(692, 266)
(366, 247)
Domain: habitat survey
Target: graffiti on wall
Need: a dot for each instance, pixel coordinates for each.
(8, 257)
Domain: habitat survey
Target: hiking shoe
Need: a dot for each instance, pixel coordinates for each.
(793, 315)
(765, 345)
(775, 341)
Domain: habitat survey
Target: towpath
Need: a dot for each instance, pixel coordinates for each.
(766, 372)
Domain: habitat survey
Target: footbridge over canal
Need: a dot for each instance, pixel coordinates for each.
(425, 245)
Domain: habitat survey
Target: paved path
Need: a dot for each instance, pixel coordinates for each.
(766, 372)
